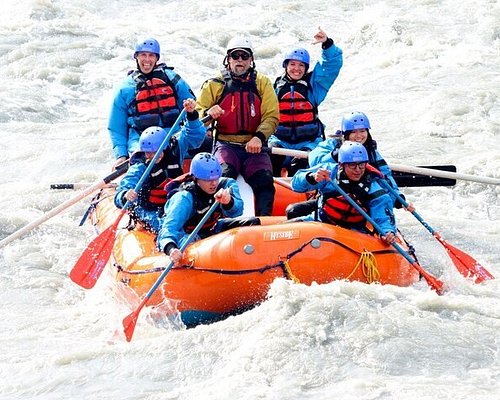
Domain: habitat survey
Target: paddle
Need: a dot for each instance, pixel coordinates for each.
(92, 261)
(130, 320)
(75, 186)
(89, 190)
(406, 179)
(432, 281)
(464, 263)
(444, 174)
(438, 171)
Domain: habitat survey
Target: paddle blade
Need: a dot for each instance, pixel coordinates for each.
(91, 263)
(466, 264)
(407, 179)
(432, 281)
(130, 321)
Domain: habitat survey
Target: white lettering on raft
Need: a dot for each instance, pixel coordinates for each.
(281, 235)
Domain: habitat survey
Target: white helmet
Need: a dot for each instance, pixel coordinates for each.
(239, 43)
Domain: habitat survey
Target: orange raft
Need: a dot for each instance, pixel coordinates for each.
(231, 272)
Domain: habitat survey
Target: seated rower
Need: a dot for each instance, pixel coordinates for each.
(193, 198)
(355, 176)
(355, 127)
(152, 196)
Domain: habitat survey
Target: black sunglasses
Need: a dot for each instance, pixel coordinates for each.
(237, 55)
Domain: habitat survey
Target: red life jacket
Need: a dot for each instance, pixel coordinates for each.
(153, 194)
(340, 212)
(337, 210)
(298, 116)
(155, 102)
(241, 102)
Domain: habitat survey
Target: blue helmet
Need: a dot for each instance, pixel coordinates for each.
(150, 45)
(151, 139)
(355, 120)
(205, 166)
(298, 54)
(352, 152)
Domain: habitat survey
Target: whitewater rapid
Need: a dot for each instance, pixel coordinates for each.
(425, 72)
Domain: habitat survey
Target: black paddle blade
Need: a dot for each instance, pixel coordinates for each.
(405, 179)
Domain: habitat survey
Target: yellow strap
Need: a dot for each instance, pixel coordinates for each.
(289, 272)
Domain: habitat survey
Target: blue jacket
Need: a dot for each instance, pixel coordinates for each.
(124, 138)
(190, 137)
(320, 80)
(325, 73)
(180, 208)
(380, 206)
(323, 153)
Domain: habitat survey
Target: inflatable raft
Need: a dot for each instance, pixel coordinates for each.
(232, 271)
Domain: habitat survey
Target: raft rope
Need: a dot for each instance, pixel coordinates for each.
(411, 249)
(92, 208)
(370, 269)
(288, 272)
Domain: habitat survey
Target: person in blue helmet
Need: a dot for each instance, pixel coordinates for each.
(189, 202)
(300, 91)
(355, 126)
(151, 95)
(149, 202)
(355, 176)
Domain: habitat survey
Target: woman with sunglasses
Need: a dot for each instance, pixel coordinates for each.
(244, 108)
(300, 92)
(358, 179)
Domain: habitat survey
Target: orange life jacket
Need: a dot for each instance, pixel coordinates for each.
(155, 102)
(340, 212)
(337, 210)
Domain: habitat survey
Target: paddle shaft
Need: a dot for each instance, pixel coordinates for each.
(157, 155)
(399, 167)
(94, 258)
(444, 174)
(188, 241)
(465, 264)
(76, 186)
(431, 280)
(130, 321)
(89, 190)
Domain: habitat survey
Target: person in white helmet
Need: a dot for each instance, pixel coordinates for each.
(244, 108)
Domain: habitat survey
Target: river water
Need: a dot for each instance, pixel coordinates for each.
(425, 72)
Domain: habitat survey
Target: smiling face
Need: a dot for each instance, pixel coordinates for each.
(358, 135)
(146, 61)
(295, 69)
(354, 171)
